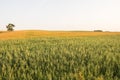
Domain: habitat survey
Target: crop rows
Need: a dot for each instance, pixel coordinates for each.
(60, 58)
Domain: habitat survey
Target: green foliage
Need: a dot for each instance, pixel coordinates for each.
(53, 58)
(10, 27)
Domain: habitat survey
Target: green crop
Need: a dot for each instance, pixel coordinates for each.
(60, 58)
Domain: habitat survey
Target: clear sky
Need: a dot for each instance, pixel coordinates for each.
(61, 14)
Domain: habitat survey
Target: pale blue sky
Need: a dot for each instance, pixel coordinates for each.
(61, 14)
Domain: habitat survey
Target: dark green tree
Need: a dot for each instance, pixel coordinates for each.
(10, 27)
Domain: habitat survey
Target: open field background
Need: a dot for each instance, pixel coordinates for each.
(38, 33)
(43, 55)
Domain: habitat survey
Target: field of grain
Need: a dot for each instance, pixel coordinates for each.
(42, 55)
(38, 33)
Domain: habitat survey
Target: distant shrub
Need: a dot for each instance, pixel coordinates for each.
(98, 31)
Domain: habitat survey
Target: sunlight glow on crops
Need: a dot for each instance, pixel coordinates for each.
(37, 33)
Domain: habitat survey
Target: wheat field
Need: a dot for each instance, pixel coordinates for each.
(38, 33)
(59, 55)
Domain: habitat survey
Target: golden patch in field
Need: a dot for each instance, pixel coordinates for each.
(38, 33)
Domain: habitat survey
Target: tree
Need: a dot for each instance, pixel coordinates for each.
(10, 27)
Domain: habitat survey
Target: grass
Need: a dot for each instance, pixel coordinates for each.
(44, 55)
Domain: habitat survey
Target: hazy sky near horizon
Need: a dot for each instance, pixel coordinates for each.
(61, 14)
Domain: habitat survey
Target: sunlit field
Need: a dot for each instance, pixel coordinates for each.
(58, 55)
(38, 33)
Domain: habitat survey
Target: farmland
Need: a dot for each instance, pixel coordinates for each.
(38, 33)
(42, 55)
